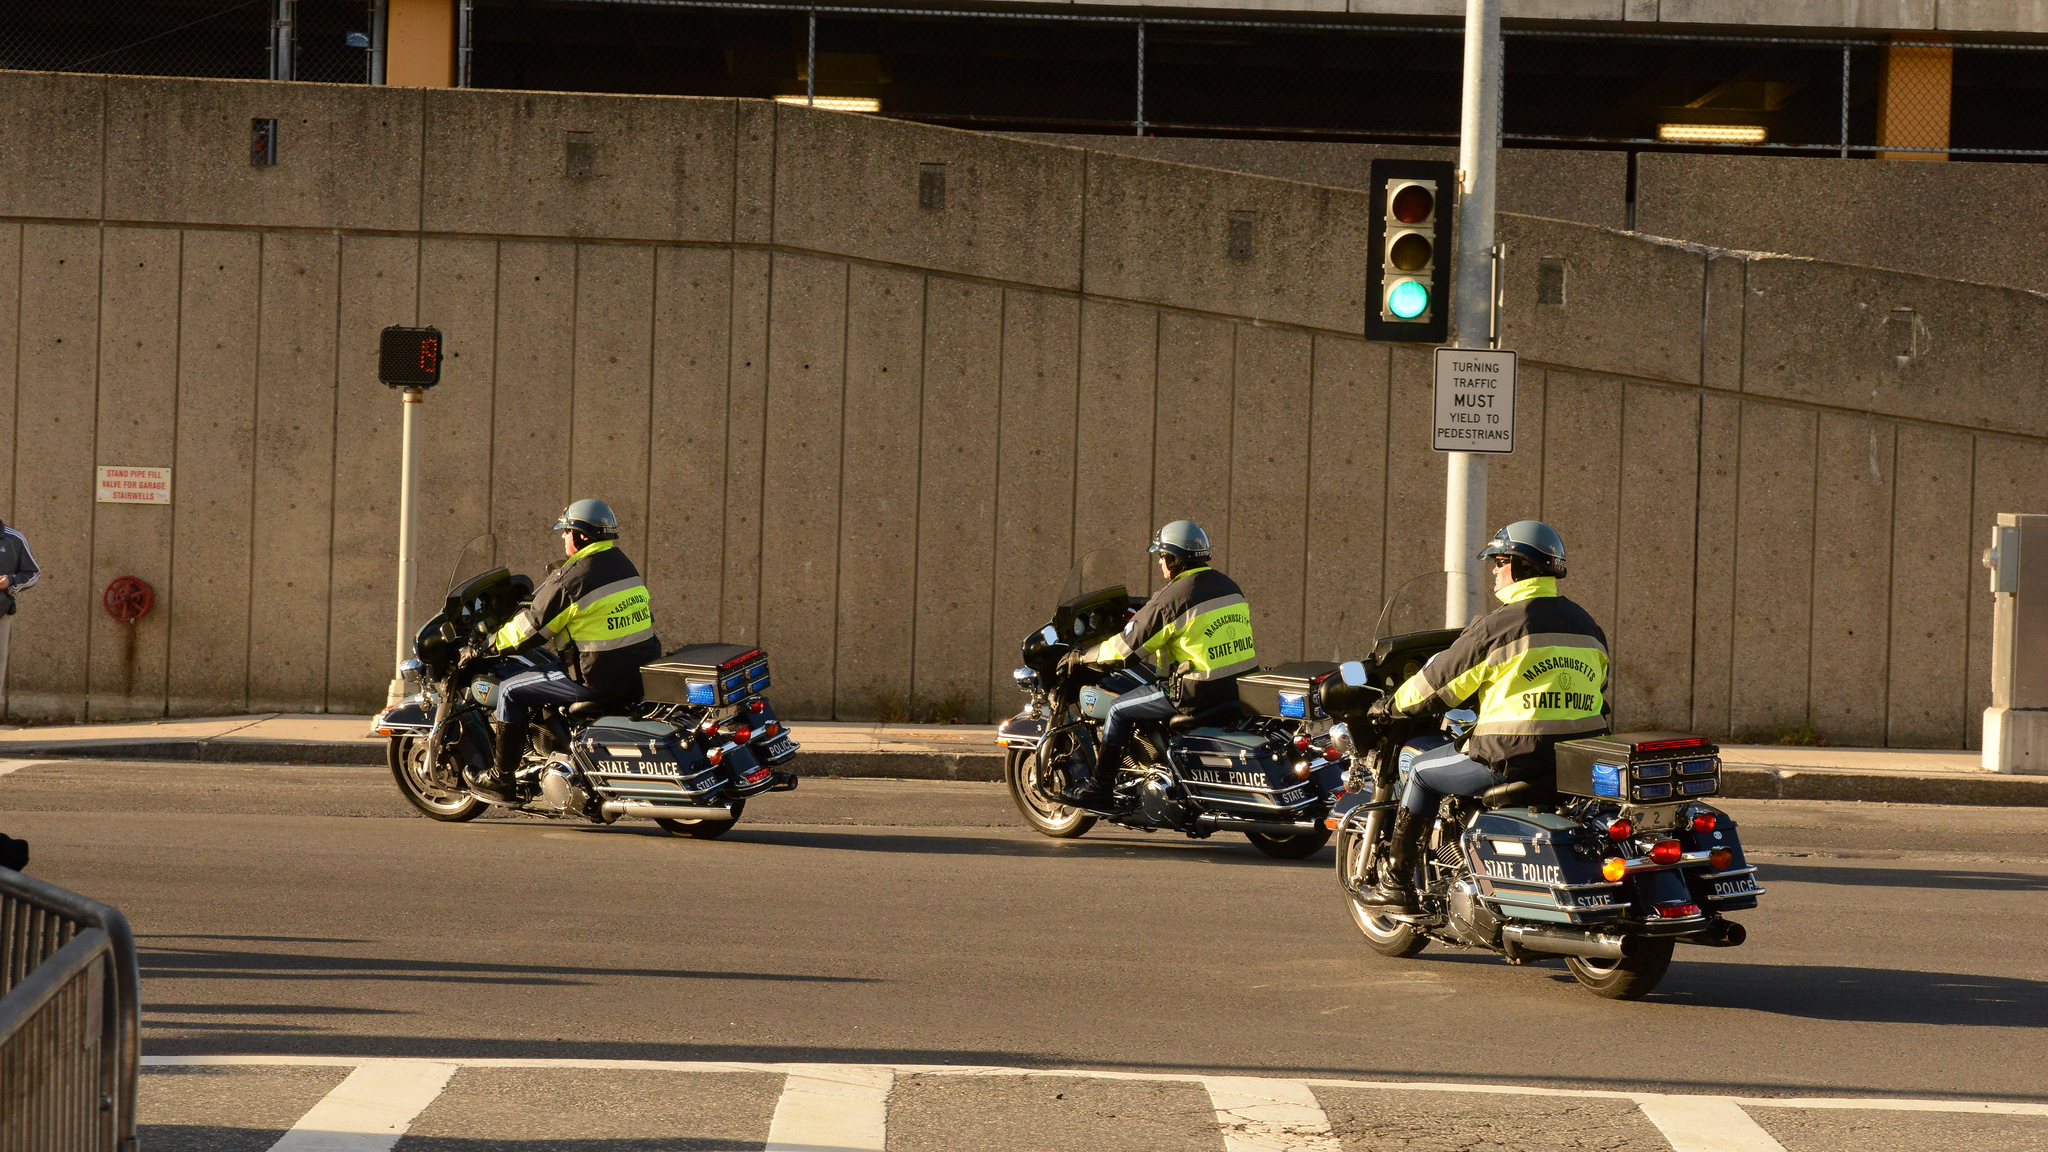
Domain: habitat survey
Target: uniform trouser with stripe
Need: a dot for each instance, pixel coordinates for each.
(1445, 772)
(518, 694)
(1151, 703)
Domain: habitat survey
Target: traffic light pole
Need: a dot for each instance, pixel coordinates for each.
(1472, 298)
(406, 566)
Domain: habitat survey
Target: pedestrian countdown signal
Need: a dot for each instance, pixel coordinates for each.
(409, 357)
(1410, 238)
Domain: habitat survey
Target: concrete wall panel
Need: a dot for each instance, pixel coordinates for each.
(609, 407)
(1852, 576)
(1932, 573)
(1514, 480)
(1721, 352)
(1713, 612)
(878, 499)
(458, 295)
(379, 287)
(38, 176)
(1415, 473)
(800, 493)
(177, 151)
(1190, 466)
(53, 467)
(1269, 471)
(210, 553)
(10, 337)
(499, 163)
(1034, 541)
(957, 497)
(1347, 498)
(753, 174)
(2010, 476)
(530, 408)
(138, 386)
(1113, 449)
(685, 557)
(1158, 236)
(746, 417)
(1651, 634)
(1012, 210)
(1774, 552)
(1620, 298)
(292, 517)
(1582, 473)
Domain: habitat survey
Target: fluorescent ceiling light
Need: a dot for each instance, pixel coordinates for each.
(1711, 133)
(836, 103)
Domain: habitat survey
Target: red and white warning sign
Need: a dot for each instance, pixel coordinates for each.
(123, 484)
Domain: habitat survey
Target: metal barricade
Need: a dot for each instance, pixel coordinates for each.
(69, 1037)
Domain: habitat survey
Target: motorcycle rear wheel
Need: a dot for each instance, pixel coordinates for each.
(1299, 846)
(1630, 977)
(1383, 934)
(407, 756)
(1046, 816)
(704, 829)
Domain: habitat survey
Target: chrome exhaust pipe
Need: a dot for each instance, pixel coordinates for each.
(1719, 934)
(1596, 945)
(613, 809)
(1210, 822)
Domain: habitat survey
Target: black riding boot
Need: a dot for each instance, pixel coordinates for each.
(507, 746)
(1395, 891)
(1098, 789)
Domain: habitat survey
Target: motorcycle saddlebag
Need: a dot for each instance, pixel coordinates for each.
(1238, 773)
(1640, 767)
(707, 675)
(1285, 691)
(643, 758)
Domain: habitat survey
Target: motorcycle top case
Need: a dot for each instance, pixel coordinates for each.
(1287, 691)
(707, 675)
(643, 759)
(1528, 868)
(1640, 767)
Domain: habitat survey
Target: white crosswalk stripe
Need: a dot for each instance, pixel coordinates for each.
(1706, 1124)
(832, 1108)
(1263, 1115)
(370, 1110)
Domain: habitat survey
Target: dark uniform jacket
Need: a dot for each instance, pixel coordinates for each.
(595, 608)
(1200, 629)
(1538, 668)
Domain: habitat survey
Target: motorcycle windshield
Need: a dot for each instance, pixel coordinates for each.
(1417, 605)
(1099, 571)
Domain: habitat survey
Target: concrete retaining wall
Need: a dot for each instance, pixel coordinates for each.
(872, 436)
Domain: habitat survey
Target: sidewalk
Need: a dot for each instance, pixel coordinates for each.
(969, 752)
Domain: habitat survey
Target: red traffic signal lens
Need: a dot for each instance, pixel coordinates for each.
(1412, 204)
(1411, 252)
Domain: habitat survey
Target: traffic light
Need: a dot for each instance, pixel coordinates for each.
(409, 357)
(1409, 277)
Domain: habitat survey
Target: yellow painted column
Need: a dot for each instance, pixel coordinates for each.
(420, 39)
(1914, 90)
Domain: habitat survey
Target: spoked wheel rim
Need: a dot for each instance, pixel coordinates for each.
(1375, 924)
(419, 779)
(1043, 783)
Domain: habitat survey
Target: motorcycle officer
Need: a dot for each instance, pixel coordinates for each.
(1200, 628)
(1538, 666)
(594, 607)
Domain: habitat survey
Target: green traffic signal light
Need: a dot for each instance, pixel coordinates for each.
(1408, 299)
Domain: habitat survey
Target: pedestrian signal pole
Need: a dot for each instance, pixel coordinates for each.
(408, 359)
(1473, 298)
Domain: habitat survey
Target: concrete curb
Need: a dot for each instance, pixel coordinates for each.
(1740, 783)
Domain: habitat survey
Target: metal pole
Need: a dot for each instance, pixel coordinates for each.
(406, 568)
(380, 17)
(1845, 101)
(283, 40)
(811, 60)
(464, 34)
(1140, 126)
(1472, 296)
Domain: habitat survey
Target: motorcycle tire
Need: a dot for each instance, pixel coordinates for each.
(1046, 816)
(434, 799)
(1629, 978)
(1299, 846)
(704, 829)
(1383, 934)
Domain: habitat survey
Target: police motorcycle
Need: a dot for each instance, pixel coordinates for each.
(1626, 858)
(688, 756)
(1262, 767)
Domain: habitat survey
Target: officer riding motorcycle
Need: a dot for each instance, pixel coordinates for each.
(1538, 668)
(1199, 627)
(594, 608)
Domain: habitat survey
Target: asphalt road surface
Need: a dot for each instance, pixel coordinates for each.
(287, 912)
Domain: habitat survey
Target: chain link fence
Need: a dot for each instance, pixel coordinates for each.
(1903, 96)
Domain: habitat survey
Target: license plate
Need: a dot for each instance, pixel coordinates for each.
(777, 749)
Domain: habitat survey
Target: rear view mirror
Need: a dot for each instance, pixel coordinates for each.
(1352, 673)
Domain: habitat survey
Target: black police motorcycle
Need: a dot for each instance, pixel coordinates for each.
(701, 742)
(1261, 767)
(1622, 860)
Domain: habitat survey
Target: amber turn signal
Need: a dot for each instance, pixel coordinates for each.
(1615, 868)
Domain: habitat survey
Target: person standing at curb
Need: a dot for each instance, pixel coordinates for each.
(18, 572)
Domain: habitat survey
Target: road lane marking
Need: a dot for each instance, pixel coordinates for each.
(7, 766)
(371, 1109)
(832, 1108)
(1706, 1124)
(1260, 1115)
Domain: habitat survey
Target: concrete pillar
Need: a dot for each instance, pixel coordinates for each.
(1915, 83)
(2016, 724)
(420, 43)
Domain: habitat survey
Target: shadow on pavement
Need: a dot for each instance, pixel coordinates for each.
(203, 963)
(1218, 851)
(1953, 879)
(1857, 995)
(209, 1138)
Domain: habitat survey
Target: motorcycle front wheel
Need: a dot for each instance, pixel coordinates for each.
(1383, 934)
(1628, 978)
(437, 799)
(1033, 793)
(704, 829)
